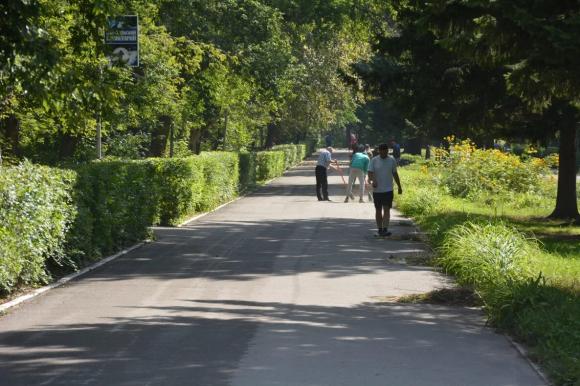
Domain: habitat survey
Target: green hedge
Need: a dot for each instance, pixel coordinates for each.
(179, 184)
(51, 216)
(293, 153)
(36, 211)
(269, 164)
(221, 177)
(248, 167)
(116, 204)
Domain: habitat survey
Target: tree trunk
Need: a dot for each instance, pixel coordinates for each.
(66, 146)
(271, 135)
(566, 201)
(12, 130)
(194, 140)
(428, 151)
(160, 136)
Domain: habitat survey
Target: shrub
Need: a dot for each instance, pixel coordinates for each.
(247, 167)
(117, 204)
(486, 255)
(269, 164)
(469, 171)
(290, 154)
(36, 211)
(221, 179)
(419, 201)
(178, 185)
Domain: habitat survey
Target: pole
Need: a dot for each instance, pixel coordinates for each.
(225, 130)
(171, 140)
(340, 172)
(99, 120)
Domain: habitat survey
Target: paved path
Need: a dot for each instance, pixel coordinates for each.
(273, 289)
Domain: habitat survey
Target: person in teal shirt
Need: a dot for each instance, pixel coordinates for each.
(359, 165)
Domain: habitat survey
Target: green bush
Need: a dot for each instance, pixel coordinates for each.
(486, 255)
(36, 211)
(117, 204)
(290, 154)
(178, 184)
(294, 154)
(247, 167)
(468, 171)
(418, 201)
(221, 179)
(269, 164)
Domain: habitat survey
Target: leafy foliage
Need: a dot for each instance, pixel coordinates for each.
(36, 213)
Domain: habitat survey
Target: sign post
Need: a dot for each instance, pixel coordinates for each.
(122, 38)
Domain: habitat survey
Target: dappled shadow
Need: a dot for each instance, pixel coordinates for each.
(248, 250)
(202, 341)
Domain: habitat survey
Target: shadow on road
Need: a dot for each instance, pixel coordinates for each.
(202, 342)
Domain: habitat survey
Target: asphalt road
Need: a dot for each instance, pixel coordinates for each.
(273, 289)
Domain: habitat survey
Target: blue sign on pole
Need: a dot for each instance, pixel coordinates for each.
(122, 38)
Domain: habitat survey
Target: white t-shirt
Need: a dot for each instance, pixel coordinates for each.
(324, 158)
(383, 168)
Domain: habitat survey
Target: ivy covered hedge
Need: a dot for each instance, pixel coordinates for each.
(53, 217)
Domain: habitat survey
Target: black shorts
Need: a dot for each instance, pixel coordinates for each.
(383, 199)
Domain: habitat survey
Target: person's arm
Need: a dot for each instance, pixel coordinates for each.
(335, 166)
(398, 182)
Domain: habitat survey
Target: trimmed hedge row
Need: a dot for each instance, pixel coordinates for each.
(35, 214)
(50, 216)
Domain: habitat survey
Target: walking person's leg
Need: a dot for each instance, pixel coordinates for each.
(387, 204)
(361, 180)
(318, 174)
(383, 202)
(325, 185)
(351, 181)
(378, 200)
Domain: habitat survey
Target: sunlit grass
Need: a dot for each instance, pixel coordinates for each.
(525, 268)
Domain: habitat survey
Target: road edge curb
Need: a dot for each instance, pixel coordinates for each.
(39, 291)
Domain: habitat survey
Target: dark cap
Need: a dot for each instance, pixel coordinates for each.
(383, 146)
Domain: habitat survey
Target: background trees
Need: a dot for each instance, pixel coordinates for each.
(486, 69)
(213, 75)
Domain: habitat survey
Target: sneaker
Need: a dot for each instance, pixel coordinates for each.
(327, 199)
(346, 199)
(384, 232)
(361, 200)
(351, 196)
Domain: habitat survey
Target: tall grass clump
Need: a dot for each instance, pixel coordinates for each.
(487, 256)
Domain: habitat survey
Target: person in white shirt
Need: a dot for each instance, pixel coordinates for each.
(382, 172)
(324, 162)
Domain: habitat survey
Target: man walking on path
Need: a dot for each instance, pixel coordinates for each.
(358, 169)
(396, 151)
(324, 162)
(382, 171)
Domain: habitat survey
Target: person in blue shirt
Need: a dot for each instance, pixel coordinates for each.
(396, 151)
(324, 162)
(328, 140)
(359, 165)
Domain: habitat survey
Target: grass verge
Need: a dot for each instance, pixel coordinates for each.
(524, 269)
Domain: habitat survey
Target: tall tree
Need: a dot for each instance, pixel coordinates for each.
(495, 67)
(538, 43)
